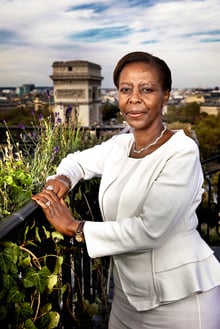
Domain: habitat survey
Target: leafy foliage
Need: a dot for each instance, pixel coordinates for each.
(34, 258)
(23, 170)
(109, 111)
(14, 180)
(22, 115)
(208, 134)
(207, 127)
(32, 263)
(184, 113)
(26, 281)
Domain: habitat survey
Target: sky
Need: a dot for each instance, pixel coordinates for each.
(36, 33)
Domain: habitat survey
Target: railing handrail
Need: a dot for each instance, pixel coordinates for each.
(213, 158)
(206, 161)
(8, 223)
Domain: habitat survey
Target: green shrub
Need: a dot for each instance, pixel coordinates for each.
(33, 257)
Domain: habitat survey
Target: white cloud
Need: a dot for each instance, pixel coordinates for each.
(34, 34)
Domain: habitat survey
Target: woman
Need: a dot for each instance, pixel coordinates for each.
(165, 275)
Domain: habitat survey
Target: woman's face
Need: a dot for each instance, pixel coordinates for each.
(141, 96)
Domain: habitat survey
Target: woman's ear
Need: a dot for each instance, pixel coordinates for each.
(166, 97)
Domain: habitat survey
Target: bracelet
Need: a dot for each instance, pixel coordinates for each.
(65, 180)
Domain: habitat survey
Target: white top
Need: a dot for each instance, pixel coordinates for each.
(149, 212)
(112, 194)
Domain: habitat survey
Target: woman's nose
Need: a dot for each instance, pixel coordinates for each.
(135, 97)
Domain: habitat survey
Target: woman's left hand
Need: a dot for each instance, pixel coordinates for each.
(57, 212)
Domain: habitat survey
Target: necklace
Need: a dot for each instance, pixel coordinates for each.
(151, 144)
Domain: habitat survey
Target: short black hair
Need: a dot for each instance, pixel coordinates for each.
(140, 56)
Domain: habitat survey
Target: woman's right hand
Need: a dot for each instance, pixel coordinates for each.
(56, 212)
(60, 185)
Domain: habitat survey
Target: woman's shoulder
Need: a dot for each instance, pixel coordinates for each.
(180, 138)
(121, 138)
(179, 144)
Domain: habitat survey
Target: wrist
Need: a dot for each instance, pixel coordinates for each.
(65, 180)
(79, 232)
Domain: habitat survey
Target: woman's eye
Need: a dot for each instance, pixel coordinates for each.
(125, 90)
(146, 90)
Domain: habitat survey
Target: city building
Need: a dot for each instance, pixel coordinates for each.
(25, 89)
(77, 87)
(211, 106)
(194, 98)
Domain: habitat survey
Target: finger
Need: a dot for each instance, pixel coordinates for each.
(50, 195)
(46, 207)
(40, 202)
(62, 201)
(40, 198)
(46, 197)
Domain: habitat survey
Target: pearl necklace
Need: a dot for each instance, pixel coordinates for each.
(149, 145)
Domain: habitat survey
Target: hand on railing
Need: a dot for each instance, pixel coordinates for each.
(56, 212)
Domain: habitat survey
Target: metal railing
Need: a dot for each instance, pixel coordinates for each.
(85, 278)
(209, 210)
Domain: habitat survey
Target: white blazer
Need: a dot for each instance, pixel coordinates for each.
(159, 255)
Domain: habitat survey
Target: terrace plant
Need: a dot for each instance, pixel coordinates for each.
(31, 284)
(23, 169)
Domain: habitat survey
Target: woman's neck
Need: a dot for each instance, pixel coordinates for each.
(143, 146)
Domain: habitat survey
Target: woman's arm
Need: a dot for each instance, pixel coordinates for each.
(79, 165)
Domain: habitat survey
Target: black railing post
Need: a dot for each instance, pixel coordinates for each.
(210, 215)
(68, 313)
(86, 274)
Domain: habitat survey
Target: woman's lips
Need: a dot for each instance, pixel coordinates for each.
(136, 114)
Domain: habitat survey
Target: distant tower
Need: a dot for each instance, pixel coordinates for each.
(77, 92)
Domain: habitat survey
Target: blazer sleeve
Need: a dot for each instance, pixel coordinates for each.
(85, 164)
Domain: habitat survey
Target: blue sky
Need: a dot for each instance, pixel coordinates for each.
(35, 33)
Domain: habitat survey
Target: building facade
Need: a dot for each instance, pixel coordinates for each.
(77, 97)
(211, 106)
(210, 109)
